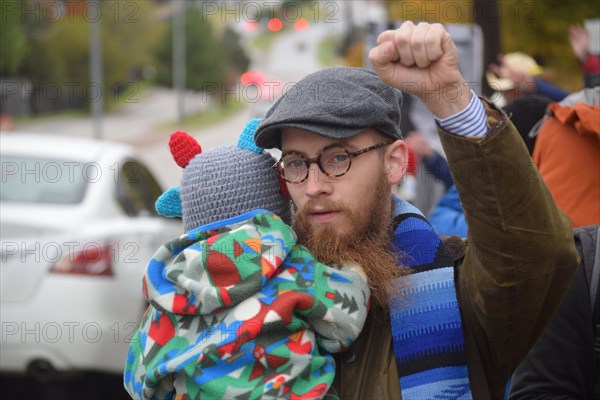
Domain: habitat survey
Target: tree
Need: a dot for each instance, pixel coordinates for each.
(57, 49)
(12, 37)
(235, 57)
(204, 55)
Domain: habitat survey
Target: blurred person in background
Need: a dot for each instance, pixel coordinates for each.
(567, 154)
(579, 39)
(564, 363)
(518, 75)
(427, 157)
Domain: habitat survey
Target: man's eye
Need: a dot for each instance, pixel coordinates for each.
(339, 158)
(295, 163)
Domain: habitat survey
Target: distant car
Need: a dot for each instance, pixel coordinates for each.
(78, 227)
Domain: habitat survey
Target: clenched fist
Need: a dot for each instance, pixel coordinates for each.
(421, 60)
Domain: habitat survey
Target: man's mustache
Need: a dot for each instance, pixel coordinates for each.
(312, 206)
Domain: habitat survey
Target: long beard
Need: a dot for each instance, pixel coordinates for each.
(367, 243)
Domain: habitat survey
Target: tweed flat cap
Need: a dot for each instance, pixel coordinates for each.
(337, 103)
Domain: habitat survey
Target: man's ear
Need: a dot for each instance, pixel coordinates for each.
(396, 161)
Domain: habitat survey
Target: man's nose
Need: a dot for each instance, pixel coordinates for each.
(317, 182)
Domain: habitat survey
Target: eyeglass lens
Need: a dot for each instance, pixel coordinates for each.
(333, 161)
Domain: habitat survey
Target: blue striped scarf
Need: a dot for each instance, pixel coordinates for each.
(426, 324)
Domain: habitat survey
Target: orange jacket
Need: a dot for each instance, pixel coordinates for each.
(567, 153)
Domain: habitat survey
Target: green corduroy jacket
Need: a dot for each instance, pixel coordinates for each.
(517, 264)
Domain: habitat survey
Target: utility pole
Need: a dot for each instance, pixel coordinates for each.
(487, 16)
(179, 57)
(96, 70)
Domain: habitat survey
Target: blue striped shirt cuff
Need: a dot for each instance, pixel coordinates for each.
(470, 122)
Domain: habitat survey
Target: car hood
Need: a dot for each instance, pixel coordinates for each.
(217, 266)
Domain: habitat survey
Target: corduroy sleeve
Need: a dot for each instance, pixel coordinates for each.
(520, 256)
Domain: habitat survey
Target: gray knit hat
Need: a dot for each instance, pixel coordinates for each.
(222, 182)
(337, 103)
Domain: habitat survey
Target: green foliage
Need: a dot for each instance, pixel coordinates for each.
(57, 49)
(212, 57)
(204, 56)
(12, 37)
(540, 29)
(129, 39)
(235, 56)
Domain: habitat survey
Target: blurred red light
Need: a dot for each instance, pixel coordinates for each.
(250, 26)
(275, 24)
(246, 78)
(252, 78)
(301, 25)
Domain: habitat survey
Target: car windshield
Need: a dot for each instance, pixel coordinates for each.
(37, 180)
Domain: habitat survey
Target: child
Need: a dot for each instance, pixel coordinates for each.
(238, 309)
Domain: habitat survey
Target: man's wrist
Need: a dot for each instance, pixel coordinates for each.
(448, 102)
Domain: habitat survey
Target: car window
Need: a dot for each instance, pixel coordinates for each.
(137, 189)
(38, 180)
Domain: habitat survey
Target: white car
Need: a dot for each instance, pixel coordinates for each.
(78, 227)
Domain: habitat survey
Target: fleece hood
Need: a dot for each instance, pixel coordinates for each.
(218, 265)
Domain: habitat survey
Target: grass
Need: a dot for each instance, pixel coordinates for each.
(202, 119)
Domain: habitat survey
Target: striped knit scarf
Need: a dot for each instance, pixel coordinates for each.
(426, 323)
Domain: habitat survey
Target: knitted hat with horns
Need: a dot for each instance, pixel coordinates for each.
(222, 182)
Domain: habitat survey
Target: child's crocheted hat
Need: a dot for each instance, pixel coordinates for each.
(222, 182)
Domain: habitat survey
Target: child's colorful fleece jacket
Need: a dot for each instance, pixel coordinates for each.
(240, 310)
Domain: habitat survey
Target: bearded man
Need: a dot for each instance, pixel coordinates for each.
(444, 324)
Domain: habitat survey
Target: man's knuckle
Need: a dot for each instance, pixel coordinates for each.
(401, 41)
(430, 41)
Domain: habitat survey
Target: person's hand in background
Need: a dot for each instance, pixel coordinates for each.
(580, 41)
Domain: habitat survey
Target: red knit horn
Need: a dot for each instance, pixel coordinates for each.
(183, 148)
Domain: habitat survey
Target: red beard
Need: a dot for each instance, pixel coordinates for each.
(367, 243)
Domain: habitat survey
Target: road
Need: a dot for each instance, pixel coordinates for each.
(294, 54)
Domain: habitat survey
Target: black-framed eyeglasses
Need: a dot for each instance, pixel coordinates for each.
(334, 161)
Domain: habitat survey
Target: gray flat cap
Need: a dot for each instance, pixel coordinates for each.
(337, 103)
